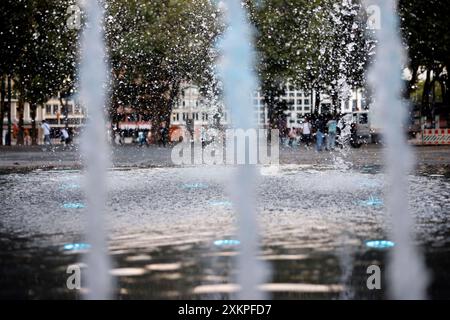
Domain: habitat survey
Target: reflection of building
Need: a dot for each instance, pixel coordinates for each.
(51, 111)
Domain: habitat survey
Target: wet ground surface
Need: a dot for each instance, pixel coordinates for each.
(164, 223)
(26, 158)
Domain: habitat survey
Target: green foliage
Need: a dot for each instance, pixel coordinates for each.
(319, 44)
(156, 45)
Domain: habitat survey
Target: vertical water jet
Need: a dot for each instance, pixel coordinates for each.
(406, 272)
(93, 75)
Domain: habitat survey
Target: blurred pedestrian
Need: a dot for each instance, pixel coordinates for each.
(332, 128)
(27, 139)
(306, 132)
(46, 127)
(65, 137)
(164, 133)
(320, 133)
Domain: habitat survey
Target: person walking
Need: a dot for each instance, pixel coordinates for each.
(65, 137)
(27, 139)
(320, 134)
(332, 128)
(164, 132)
(306, 132)
(46, 127)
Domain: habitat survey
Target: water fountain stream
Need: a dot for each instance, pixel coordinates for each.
(407, 274)
(239, 84)
(93, 75)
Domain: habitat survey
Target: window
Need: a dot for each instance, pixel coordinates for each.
(306, 101)
(55, 108)
(77, 109)
(306, 108)
(48, 109)
(299, 101)
(363, 119)
(70, 109)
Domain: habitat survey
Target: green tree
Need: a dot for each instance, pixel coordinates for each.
(318, 45)
(425, 26)
(154, 47)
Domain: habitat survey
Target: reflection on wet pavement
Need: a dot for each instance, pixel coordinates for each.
(165, 225)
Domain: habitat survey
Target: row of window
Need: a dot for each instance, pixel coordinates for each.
(54, 109)
(184, 116)
(298, 102)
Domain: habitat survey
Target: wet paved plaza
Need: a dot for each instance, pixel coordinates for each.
(171, 230)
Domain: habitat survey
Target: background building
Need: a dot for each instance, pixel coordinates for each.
(52, 111)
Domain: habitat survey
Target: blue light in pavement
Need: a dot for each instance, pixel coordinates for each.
(76, 246)
(220, 203)
(380, 244)
(70, 186)
(74, 205)
(226, 243)
(372, 202)
(195, 186)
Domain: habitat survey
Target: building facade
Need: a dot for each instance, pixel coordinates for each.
(193, 108)
(52, 111)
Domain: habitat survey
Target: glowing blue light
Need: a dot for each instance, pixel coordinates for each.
(372, 202)
(76, 246)
(380, 244)
(226, 243)
(74, 205)
(370, 184)
(70, 186)
(195, 186)
(220, 203)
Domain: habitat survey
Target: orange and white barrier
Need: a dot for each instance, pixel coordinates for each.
(436, 137)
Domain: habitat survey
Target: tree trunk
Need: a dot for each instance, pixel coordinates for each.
(447, 85)
(426, 94)
(9, 133)
(20, 111)
(335, 101)
(2, 107)
(317, 102)
(412, 82)
(65, 110)
(33, 109)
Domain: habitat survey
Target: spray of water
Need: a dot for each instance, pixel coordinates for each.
(93, 75)
(407, 274)
(239, 83)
